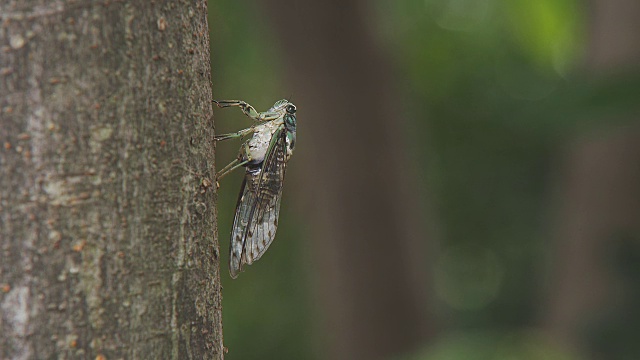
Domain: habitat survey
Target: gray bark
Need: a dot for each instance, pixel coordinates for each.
(107, 223)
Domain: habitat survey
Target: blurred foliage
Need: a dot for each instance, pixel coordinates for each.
(492, 87)
(484, 78)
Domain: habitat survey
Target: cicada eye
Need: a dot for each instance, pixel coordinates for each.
(291, 109)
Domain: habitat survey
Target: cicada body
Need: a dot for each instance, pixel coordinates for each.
(264, 156)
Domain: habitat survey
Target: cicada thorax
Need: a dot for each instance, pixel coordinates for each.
(255, 149)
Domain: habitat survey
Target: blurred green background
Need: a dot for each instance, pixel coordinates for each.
(517, 123)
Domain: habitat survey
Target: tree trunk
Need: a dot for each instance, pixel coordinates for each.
(107, 220)
(599, 203)
(368, 235)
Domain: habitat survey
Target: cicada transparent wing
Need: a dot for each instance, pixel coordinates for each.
(258, 207)
(246, 201)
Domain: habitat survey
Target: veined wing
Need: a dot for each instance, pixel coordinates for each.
(264, 219)
(256, 219)
(246, 201)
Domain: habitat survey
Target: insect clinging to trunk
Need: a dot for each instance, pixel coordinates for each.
(264, 156)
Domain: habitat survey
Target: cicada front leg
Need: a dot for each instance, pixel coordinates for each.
(248, 110)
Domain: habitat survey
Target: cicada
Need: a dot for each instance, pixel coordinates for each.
(264, 156)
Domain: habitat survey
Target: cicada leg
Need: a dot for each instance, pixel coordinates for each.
(234, 135)
(229, 168)
(248, 110)
(243, 159)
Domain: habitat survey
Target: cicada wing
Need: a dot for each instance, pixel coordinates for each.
(263, 220)
(247, 200)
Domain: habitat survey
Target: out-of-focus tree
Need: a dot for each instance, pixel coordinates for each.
(593, 303)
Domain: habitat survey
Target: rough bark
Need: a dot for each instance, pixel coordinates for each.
(368, 234)
(107, 222)
(600, 202)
